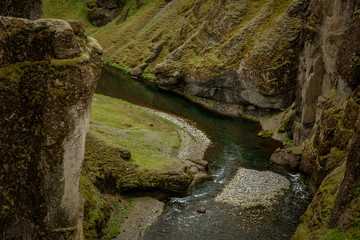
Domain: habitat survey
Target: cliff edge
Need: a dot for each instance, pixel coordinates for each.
(48, 74)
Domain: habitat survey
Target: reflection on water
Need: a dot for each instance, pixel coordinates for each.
(235, 145)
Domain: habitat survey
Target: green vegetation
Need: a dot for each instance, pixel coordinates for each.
(315, 221)
(153, 167)
(68, 10)
(128, 44)
(265, 134)
(151, 139)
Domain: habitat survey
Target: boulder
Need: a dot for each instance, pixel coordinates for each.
(283, 158)
(101, 12)
(136, 72)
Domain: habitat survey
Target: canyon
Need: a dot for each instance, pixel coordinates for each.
(293, 65)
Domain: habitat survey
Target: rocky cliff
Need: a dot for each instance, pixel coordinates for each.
(327, 112)
(48, 73)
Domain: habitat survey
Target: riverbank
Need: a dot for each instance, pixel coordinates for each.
(136, 150)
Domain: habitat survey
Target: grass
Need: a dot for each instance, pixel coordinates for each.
(151, 140)
(68, 10)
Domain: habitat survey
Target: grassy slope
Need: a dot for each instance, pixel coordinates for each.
(151, 140)
(186, 23)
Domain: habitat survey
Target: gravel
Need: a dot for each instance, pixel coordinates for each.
(251, 188)
(194, 142)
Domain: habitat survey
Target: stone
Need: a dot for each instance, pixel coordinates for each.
(136, 72)
(125, 154)
(155, 51)
(48, 77)
(101, 12)
(283, 158)
(201, 210)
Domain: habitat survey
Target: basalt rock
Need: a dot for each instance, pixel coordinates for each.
(48, 73)
(327, 101)
(257, 70)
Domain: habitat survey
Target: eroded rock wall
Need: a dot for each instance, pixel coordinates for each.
(48, 73)
(327, 120)
(326, 106)
(246, 53)
(324, 38)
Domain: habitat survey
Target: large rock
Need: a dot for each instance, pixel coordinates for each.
(31, 9)
(101, 12)
(283, 158)
(327, 119)
(48, 73)
(327, 100)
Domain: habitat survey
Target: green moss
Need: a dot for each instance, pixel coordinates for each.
(96, 209)
(265, 134)
(315, 221)
(116, 218)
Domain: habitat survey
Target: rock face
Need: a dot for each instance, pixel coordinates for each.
(322, 61)
(327, 119)
(31, 9)
(327, 102)
(48, 73)
(258, 69)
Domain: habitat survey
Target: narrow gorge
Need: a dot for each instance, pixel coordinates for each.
(293, 66)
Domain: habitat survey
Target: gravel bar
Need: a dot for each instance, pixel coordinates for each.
(251, 188)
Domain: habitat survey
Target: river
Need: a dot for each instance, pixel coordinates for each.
(234, 144)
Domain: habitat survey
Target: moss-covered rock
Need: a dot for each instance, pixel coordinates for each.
(100, 12)
(31, 9)
(48, 74)
(327, 148)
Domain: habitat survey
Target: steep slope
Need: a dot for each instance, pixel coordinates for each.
(243, 52)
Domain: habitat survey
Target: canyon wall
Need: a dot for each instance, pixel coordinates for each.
(231, 52)
(48, 73)
(327, 115)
